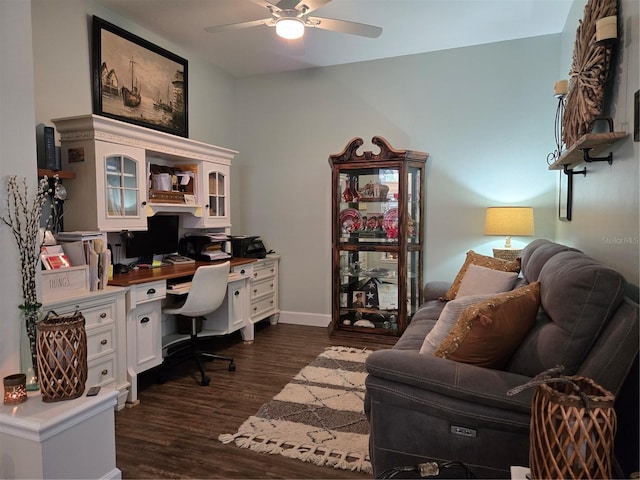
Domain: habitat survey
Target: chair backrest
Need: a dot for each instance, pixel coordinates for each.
(207, 291)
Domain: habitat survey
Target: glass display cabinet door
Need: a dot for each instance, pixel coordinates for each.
(369, 205)
(414, 203)
(122, 186)
(217, 194)
(369, 295)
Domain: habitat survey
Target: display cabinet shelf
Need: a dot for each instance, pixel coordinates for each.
(377, 236)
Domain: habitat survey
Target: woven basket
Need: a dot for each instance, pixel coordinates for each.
(62, 356)
(573, 425)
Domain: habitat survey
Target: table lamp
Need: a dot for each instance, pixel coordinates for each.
(508, 221)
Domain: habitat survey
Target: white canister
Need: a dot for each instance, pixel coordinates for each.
(161, 181)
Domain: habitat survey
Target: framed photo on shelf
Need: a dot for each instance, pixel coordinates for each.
(138, 82)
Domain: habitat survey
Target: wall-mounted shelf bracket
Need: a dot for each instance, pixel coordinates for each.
(589, 159)
(568, 171)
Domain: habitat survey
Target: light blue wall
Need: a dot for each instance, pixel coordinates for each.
(605, 221)
(485, 114)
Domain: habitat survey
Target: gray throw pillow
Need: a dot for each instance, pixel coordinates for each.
(480, 280)
(447, 319)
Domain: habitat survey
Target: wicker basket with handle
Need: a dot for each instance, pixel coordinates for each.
(573, 425)
(62, 356)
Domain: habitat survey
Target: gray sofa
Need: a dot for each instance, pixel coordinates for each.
(424, 408)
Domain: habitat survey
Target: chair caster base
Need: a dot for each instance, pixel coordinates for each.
(232, 367)
(205, 381)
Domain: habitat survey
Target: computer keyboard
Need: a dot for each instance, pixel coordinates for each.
(179, 286)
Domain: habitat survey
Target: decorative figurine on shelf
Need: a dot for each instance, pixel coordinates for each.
(346, 194)
(354, 188)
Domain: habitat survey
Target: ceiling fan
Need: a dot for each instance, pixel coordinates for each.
(291, 17)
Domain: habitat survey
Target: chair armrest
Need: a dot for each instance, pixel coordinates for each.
(453, 379)
(435, 289)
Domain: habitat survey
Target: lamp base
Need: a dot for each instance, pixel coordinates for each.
(508, 254)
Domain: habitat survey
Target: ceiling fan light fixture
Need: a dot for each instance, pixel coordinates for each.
(290, 28)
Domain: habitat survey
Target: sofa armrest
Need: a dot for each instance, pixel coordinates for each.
(453, 379)
(434, 290)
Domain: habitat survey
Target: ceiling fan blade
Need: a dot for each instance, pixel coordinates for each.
(268, 5)
(345, 26)
(310, 5)
(236, 26)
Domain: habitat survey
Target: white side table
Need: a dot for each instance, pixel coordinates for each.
(65, 439)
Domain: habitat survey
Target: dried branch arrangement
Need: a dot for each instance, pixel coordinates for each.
(588, 74)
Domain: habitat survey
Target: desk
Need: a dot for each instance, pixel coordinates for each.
(149, 335)
(146, 275)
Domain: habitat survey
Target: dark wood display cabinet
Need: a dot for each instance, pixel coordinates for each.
(377, 237)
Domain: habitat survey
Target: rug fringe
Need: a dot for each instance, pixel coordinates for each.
(339, 348)
(321, 456)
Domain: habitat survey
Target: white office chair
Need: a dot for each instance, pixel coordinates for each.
(206, 294)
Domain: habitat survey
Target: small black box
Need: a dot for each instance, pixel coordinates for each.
(46, 148)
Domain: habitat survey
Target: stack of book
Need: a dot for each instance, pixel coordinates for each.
(88, 248)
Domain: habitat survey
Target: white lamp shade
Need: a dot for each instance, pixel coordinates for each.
(290, 28)
(509, 221)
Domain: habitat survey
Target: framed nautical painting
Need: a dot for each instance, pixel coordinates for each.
(138, 82)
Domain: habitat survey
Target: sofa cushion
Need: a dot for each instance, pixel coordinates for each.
(536, 254)
(481, 280)
(578, 296)
(448, 317)
(484, 261)
(487, 333)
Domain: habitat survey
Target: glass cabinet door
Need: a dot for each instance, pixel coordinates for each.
(122, 186)
(217, 194)
(369, 205)
(369, 295)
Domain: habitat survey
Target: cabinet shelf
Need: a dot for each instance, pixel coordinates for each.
(594, 143)
(153, 208)
(62, 174)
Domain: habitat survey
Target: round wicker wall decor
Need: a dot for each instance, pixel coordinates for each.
(589, 73)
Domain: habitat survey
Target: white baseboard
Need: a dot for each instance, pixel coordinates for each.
(303, 318)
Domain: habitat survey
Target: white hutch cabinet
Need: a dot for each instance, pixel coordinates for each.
(114, 161)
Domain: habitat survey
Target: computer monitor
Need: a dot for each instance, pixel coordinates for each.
(161, 238)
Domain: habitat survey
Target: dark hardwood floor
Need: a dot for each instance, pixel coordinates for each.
(173, 431)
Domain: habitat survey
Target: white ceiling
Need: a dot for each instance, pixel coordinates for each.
(408, 27)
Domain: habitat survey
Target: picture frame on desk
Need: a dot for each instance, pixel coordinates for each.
(138, 82)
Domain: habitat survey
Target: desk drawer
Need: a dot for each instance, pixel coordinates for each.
(101, 371)
(99, 315)
(264, 269)
(244, 270)
(99, 342)
(262, 307)
(265, 287)
(147, 292)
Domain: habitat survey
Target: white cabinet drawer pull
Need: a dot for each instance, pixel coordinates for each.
(103, 315)
(104, 372)
(151, 291)
(236, 293)
(103, 342)
(144, 320)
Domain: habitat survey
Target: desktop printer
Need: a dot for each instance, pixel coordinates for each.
(247, 247)
(203, 247)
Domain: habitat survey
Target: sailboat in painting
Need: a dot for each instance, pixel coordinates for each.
(131, 97)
